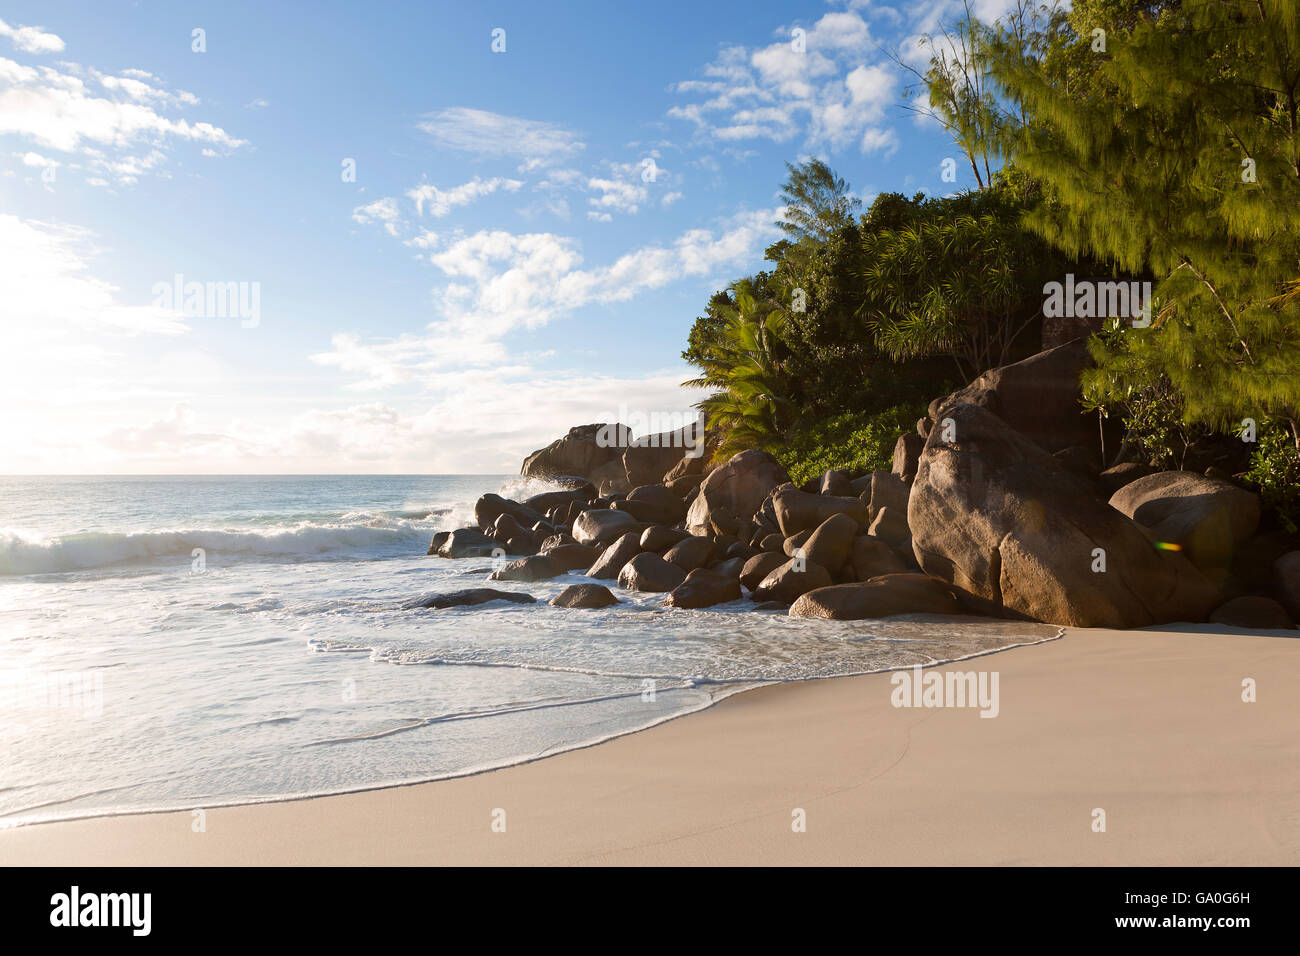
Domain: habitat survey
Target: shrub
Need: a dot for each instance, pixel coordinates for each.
(1275, 471)
(852, 441)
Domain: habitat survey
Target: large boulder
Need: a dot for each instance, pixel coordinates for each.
(690, 553)
(704, 588)
(584, 595)
(467, 543)
(884, 596)
(730, 568)
(649, 572)
(797, 510)
(1204, 517)
(468, 598)
(490, 507)
(1038, 397)
(890, 524)
(581, 452)
(613, 558)
(1252, 611)
(1286, 581)
(543, 503)
(832, 543)
(653, 503)
(572, 557)
(537, 567)
(1125, 473)
(872, 556)
(838, 482)
(649, 458)
(611, 479)
(760, 566)
(600, 526)
(888, 490)
(907, 453)
(994, 514)
(732, 493)
(684, 487)
(792, 579)
(659, 539)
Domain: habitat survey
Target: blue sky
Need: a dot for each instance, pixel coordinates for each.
(528, 238)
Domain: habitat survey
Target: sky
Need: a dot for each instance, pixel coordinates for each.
(382, 238)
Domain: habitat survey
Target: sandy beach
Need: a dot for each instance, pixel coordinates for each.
(1149, 726)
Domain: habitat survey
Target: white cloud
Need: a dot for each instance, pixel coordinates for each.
(502, 282)
(32, 39)
(616, 195)
(821, 90)
(45, 272)
(380, 211)
(494, 134)
(441, 202)
(122, 132)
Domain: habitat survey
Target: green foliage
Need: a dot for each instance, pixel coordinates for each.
(817, 202)
(847, 441)
(960, 278)
(1275, 471)
(740, 360)
(1128, 381)
(1175, 152)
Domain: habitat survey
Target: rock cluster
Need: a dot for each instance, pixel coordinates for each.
(998, 505)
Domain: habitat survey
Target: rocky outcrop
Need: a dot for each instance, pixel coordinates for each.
(732, 493)
(994, 514)
(1037, 397)
(885, 596)
(584, 596)
(1205, 518)
(649, 459)
(581, 452)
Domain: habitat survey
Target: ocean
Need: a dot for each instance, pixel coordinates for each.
(190, 642)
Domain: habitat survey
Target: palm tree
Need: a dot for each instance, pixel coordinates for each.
(750, 405)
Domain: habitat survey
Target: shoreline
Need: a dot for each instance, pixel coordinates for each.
(751, 686)
(907, 787)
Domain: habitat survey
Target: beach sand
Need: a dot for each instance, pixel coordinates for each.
(1149, 726)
